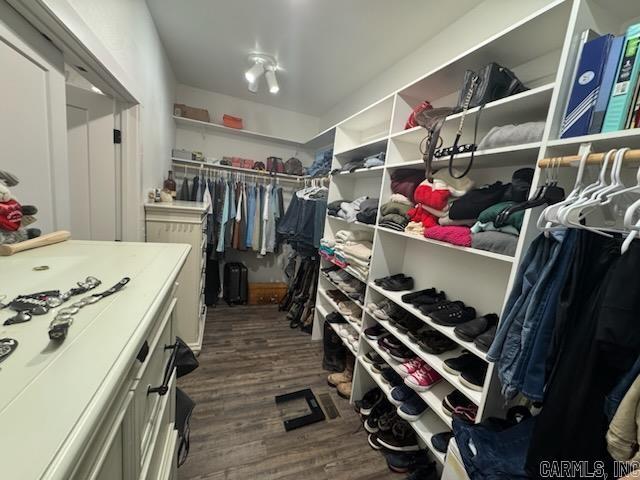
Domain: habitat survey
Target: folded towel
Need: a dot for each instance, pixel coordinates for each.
(497, 242)
(460, 236)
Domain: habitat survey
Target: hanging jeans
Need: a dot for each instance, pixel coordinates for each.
(490, 454)
(595, 342)
(517, 329)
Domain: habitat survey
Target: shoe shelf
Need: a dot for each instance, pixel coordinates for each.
(435, 361)
(473, 251)
(341, 330)
(426, 427)
(334, 305)
(396, 297)
(337, 287)
(356, 223)
(432, 397)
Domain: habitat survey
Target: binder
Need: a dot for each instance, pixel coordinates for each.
(625, 84)
(586, 86)
(608, 77)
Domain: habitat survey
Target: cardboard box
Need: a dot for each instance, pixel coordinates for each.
(266, 293)
(182, 110)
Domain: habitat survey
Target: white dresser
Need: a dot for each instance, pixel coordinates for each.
(80, 409)
(184, 222)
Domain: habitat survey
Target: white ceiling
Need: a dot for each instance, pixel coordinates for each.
(326, 48)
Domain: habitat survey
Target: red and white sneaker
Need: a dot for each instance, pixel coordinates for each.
(413, 365)
(423, 379)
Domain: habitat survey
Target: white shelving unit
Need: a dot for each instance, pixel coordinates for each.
(541, 50)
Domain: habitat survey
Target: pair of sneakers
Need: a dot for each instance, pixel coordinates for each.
(409, 405)
(419, 376)
(395, 283)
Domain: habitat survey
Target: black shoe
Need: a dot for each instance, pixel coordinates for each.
(373, 358)
(454, 400)
(473, 375)
(468, 331)
(403, 462)
(426, 297)
(376, 332)
(382, 408)
(398, 284)
(436, 343)
(401, 354)
(440, 441)
(390, 376)
(372, 398)
(454, 315)
(335, 318)
(407, 323)
(484, 341)
(373, 442)
(456, 365)
(428, 309)
(378, 281)
(388, 343)
(401, 437)
(424, 473)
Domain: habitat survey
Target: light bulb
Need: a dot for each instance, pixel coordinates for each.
(254, 73)
(272, 81)
(253, 86)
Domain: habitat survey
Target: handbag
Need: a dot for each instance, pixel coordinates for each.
(489, 84)
(186, 361)
(184, 410)
(232, 122)
(432, 120)
(417, 110)
(275, 165)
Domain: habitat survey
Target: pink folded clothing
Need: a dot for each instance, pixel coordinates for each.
(455, 235)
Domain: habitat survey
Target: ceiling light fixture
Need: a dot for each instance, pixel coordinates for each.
(272, 81)
(262, 65)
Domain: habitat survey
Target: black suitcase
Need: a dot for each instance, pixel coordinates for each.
(236, 283)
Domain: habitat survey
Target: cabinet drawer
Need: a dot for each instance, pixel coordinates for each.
(159, 457)
(148, 404)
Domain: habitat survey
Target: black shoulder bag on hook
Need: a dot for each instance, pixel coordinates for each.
(491, 83)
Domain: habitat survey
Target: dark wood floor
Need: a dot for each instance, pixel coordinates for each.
(250, 355)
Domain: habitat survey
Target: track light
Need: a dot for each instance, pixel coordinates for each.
(253, 86)
(262, 65)
(254, 73)
(272, 81)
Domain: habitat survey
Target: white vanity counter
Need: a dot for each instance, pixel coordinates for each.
(79, 409)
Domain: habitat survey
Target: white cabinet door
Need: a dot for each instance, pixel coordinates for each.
(32, 119)
(92, 165)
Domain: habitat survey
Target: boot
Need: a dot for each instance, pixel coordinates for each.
(345, 376)
(344, 390)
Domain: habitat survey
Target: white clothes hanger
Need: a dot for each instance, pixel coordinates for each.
(570, 215)
(549, 215)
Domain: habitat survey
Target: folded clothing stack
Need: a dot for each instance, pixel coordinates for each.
(368, 211)
(394, 215)
(326, 249)
(505, 135)
(352, 286)
(405, 180)
(334, 207)
(357, 163)
(349, 210)
(357, 255)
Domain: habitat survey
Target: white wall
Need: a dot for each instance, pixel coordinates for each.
(256, 117)
(480, 23)
(126, 29)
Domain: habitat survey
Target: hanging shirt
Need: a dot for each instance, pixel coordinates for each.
(223, 219)
(185, 192)
(251, 211)
(194, 189)
(273, 216)
(265, 220)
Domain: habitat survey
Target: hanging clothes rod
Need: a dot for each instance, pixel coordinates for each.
(631, 156)
(195, 165)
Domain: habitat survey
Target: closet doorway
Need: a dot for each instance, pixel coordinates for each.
(93, 165)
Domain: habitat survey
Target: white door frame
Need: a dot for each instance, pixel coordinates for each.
(60, 23)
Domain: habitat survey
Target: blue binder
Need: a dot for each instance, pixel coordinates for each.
(586, 86)
(608, 77)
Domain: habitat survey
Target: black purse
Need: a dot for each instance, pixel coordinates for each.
(489, 84)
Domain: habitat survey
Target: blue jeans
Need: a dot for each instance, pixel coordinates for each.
(496, 454)
(251, 212)
(532, 374)
(522, 316)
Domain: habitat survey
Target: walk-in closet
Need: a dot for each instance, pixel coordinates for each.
(330, 239)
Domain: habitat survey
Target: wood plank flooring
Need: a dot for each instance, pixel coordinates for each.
(249, 356)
